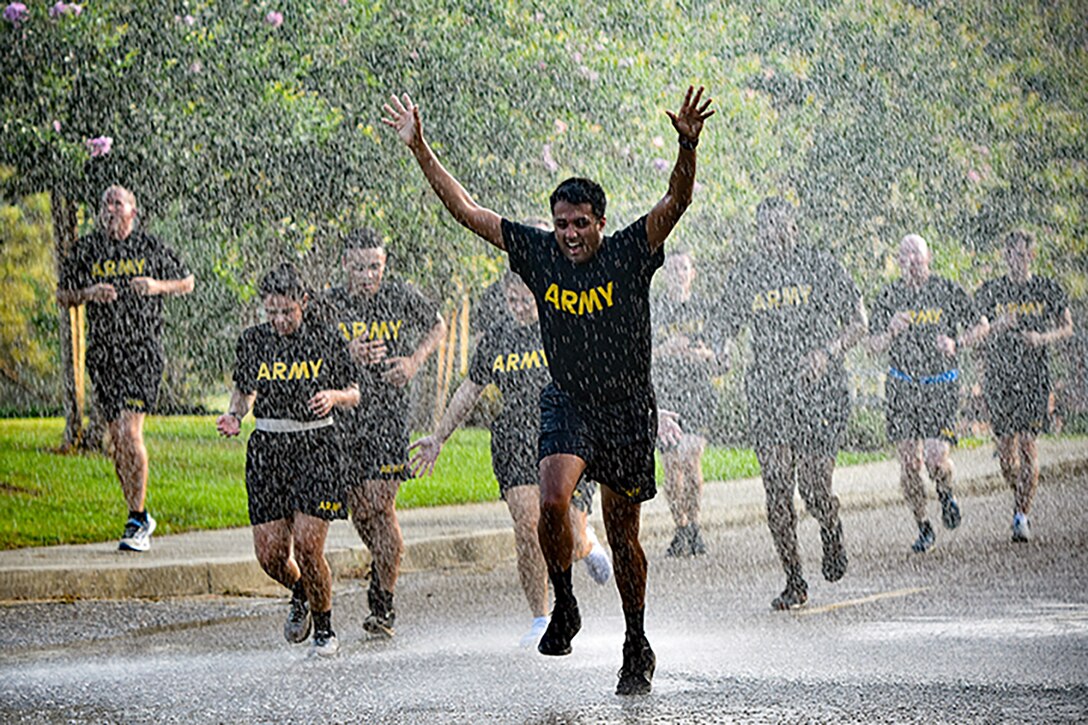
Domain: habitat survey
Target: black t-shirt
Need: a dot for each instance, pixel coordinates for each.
(793, 304)
(687, 318)
(131, 319)
(287, 370)
(594, 316)
(512, 358)
(490, 309)
(397, 313)
(939, 307)
(1037, 305)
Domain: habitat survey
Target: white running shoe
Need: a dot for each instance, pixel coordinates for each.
(530, 638)
(326, 644)
(137, 536)
(598, 562)
(1021, 529)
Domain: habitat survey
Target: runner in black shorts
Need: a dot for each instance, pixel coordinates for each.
(684, 363)
(597, 415)
(511, 357)
(917, 319)
(804, 313)
(1026, 313)
(392, 329)
(122, 274)
(293, 372)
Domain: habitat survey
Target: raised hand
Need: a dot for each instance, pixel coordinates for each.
(403, 117)
(688, 122)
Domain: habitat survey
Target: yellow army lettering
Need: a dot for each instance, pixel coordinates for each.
(519, 361)
(928, 316)
(329, 506)
(376, 330)
(579, 303)
(1033, 308)
(118, 267)
(392, 468)
(297, 370)
(788, 296)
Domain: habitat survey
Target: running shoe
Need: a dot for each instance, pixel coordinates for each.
(325, 643)
(137, 536)
(696, 545)
(296, 629)
(950, 510)
(1021, 529)
(637, 673)
(680, 546)
(926, 539)
(792, 597)
(598, 562)
(530, 638)
(835, 560)
(382, 616)
(565, 623)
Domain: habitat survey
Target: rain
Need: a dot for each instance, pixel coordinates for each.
(865, 334)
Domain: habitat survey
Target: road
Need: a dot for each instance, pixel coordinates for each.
(979, 629)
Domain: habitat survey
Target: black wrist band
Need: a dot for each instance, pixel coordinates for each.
(687, 143)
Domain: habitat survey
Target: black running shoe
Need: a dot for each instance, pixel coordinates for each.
(565, 623)
(296, 629)
(382, 618)
(697, 546)
(637, 673)
(793, 596)
(680, 546)
(926, 540)
(835, 561)
(950, 510)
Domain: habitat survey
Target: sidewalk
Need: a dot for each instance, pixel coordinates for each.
(222, 562)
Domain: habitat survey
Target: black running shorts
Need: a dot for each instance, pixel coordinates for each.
(615, 439)
(125, 378)
(921, 411)
(1018, 406)
(808, 417)
(515, 461)
(378, 451)
(289, 472)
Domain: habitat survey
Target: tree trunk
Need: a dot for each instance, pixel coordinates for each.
(64, 238)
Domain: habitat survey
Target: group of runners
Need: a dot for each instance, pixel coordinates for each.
(570, 349)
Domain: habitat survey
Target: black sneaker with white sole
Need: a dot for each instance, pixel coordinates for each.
(637, 673)
(296, 629)
(950, 510)
(566, 621)
(793, 596)
(325, 643)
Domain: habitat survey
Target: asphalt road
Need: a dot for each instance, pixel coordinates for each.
(979, 629)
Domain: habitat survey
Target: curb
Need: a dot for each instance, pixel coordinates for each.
(243, 576)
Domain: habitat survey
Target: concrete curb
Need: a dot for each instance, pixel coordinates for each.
(97, 572)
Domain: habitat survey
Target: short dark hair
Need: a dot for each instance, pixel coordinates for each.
(363, 238)
(283, 280)
(1016, 236)
(577, 190)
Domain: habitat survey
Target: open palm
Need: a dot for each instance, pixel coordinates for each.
(688, 122)
(403, 116)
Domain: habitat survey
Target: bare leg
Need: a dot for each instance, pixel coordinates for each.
(374, 514)
(910, 466)
(559, 474)
(1028, 480)
(523, 503)
(308, 533)
(814, 475)
(939, 464)
(272, 545)
(130, 457)
(621, 523)
(673, 463)
(776, 465)
(1008, 457)
(691, 448)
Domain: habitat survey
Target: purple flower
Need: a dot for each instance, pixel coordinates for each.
(65, 9)
(56, 125)
(99, 146)
(275, 19)
(661, 164)
(549, 162)
(189, 20)
(974, 176)
(16, 13)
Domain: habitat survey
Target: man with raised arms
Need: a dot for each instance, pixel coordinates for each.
(598, 415)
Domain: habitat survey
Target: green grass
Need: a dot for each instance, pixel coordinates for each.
(198, 480)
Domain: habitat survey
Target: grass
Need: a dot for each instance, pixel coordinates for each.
(198, 480)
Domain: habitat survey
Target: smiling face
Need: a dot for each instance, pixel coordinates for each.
(117, 214)
(284, 313)
(577, 230)
(365, 268)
